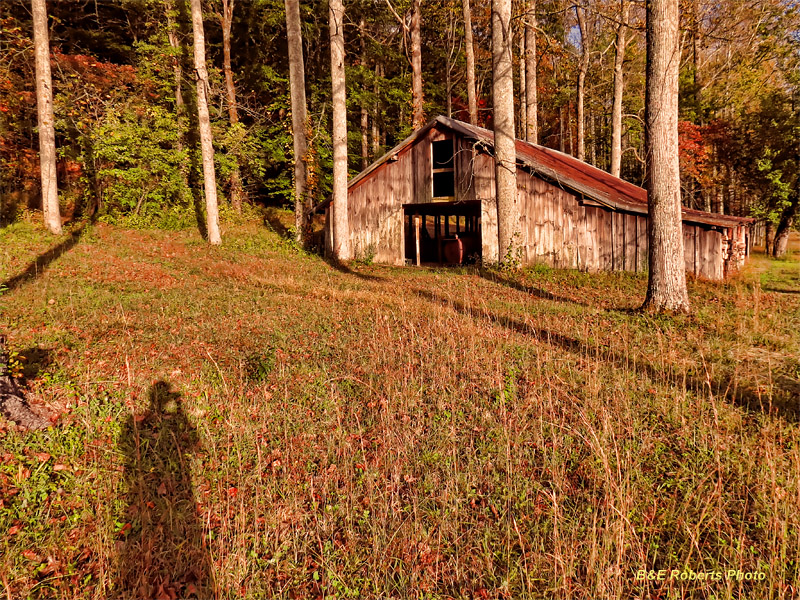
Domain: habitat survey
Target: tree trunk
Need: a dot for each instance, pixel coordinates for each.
(583, 67)
(781, 241)
(204, 121)
(297, 86)
(569, 129)
(531, 90)
(619, 85)
(769, 237)
(666, 286)
(226, 20)
(44, 106)
(341, 227)
(469, 50)
(504, 136)
(376, 134)
(364, 112)
(416, 66)
(523, 105)
(784, 228)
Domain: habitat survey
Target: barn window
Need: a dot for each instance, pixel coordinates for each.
(444, 175)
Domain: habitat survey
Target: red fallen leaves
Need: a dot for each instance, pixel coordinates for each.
(31, 556)
(42, 456)
(14, 529)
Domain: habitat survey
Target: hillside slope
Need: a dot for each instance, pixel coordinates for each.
(254, 422)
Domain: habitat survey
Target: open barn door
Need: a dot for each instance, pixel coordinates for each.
(442, 233)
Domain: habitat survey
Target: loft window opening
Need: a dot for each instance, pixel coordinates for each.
(443, 166)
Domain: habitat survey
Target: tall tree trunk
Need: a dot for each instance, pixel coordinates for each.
(469, 50)
(204, 121)
(531, 82)
(416, 65)
(619, 86)
(341, 227)
(523, 105)
(46, 121)
(376, 134)
(583, 67)
(569, 129)
(297, 86)
(784, 228)
(504, 137)
(666, 286)
(769, 236)
(226, 21)
(364, 111)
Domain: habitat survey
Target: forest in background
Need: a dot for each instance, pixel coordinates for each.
(127, 150)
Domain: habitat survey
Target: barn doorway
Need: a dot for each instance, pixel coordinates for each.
(442, 233)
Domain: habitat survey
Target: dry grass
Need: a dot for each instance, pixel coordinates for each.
(251, 422)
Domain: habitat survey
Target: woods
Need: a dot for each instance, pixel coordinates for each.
(582, 62)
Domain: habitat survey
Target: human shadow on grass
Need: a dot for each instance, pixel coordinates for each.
(161, 548)
(786, 405)
(40, 264)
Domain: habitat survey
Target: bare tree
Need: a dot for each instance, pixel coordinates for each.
(504, 135)
(226, 21)
(619, 86)
(472, 99)
(583, 67)
(666, 286)
(44, 106)
(531, 80)
(297, 86)
(341, 227)
(206, 140)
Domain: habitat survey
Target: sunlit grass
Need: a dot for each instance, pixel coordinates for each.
(395, 433)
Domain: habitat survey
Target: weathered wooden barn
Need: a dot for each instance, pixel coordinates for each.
(431, 199)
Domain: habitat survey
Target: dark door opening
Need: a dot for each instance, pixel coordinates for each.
(442, 233)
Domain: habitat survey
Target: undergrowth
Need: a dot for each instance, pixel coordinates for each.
(249, 422)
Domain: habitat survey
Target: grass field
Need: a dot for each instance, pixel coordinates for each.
(252, 422)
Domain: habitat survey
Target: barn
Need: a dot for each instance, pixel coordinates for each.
(431, 200)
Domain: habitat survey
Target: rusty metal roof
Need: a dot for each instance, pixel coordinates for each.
(569, 172)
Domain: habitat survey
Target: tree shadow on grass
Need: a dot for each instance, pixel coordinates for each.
(344, 268)
(38, 266)
(787, 403)
(161, 548)
(272, 221)
(495, 277)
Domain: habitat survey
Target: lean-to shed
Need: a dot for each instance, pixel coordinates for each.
(431, 199)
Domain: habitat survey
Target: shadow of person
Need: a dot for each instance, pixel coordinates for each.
(161, 547)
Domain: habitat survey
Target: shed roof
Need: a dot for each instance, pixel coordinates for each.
(561, 169)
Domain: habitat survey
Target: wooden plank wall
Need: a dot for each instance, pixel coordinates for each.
(375, 210)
